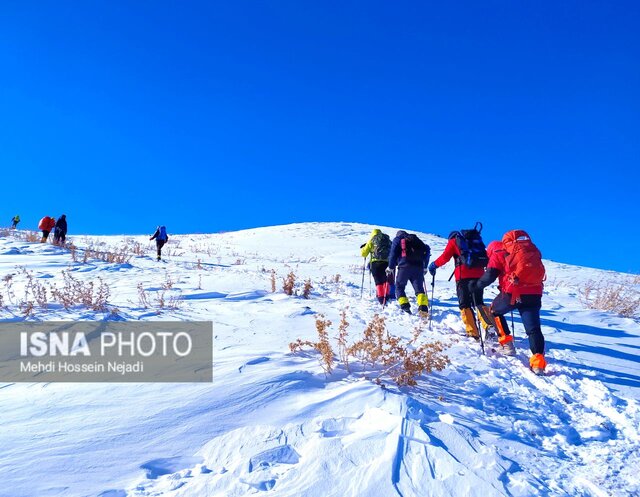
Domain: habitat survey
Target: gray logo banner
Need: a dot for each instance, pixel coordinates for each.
(106, 351)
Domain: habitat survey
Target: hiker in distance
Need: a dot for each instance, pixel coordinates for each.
(517, 263)
(60, 230)
(46, 224)
(470, 257)
(379, 247)
(15, 221)
(411, 256)
(161, 237)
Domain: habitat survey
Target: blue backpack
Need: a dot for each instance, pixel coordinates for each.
(162, 236)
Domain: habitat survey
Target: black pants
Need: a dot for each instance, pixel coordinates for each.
(159, 245)
(45, 234)
(409, 273)
(529, 308)
(59, 236)
(465, 299)
(378, 271)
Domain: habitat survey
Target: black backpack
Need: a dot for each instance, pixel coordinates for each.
(473, 252)
(414, 250)
(380, 247)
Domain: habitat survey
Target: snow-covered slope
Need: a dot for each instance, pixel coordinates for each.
(272, 423)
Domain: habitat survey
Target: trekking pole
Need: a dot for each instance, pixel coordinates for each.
(513, 328)
(364, 262)
(433, 286)
(386, 290)
(370, 293)
(477, 316)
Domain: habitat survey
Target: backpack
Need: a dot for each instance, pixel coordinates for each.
(414, 250)
(380, 247)
(162, 235)
(46, 223)
(524, 261)
(473, 252)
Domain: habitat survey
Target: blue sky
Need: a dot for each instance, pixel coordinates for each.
(210, 116)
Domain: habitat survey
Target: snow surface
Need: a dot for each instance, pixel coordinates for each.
(272, 423)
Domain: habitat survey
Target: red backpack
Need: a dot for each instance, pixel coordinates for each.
(525, 272)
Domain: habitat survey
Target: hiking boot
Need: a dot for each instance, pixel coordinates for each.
(406, 308)
(424, 308)
(537, 364)
(508, 348)
(490, 333)
(473, 334)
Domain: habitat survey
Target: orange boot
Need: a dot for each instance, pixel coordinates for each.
(537, 363)
(507, 347)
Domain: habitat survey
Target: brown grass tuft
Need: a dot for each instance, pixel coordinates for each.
(288, 283)
(610, 297)
(399, 360)
(306, 289)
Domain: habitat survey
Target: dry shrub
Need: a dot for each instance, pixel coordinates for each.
(8, 287)
(288, 283)
(160, 301)
(342, 339)
(402, 361)
(370, 347)
(73, 250)
(143, 297)
(203, 249)
(173, 302)
(136, 248)
(273, 281)
(168, 282)
(239, 262)
(87, 294)
(109, 254)
(611, 297)
(323, 345)
(27, 308)
(306, 289)
(35, 290)
(23, 235)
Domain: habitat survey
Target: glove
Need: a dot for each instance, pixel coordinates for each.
(389, 271)
(433, 268)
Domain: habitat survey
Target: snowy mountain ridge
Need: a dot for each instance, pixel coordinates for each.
(272, 423)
